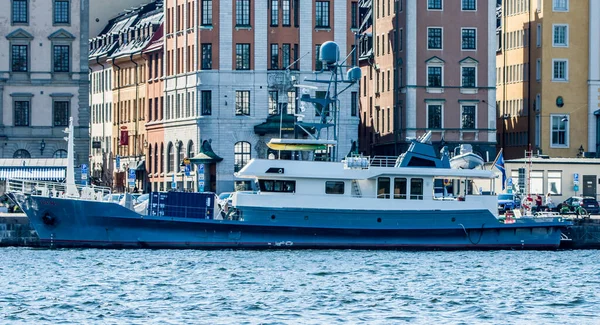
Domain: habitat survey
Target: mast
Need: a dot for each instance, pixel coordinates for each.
(70, 180)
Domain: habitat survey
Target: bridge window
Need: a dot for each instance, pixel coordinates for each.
(383, 188)
(277, 186)
(400, 188)
(416, 189)
(334, 187)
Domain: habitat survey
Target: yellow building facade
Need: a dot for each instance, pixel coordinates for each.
(543, 64)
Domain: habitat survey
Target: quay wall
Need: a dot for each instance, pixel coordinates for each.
(16, 231)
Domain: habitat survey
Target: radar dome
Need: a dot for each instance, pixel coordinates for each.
(329, 52)
(354, 74)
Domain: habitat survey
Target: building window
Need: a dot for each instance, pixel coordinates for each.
(170, 158)
(434, 4)
(560, 70)
(322, 14)
(468, 117)
(241, 155)
(21, 154)
(206, 101)
(190, 149)
(242, 56)
(560, 131)
(61, 12)
(285, 56)
(469, 77)
(555, 182)
(560, 35)
(469, 5)
(181, 153)
(538, 36)
(61, 58)
(434, 76)
(275, 56)
(21, 113)
(538, 69)
(285, 17)
(61, 113)
(434, 116)
(354, 103)
(206, 56)
(273, 102)
(242, 102)
(60, 153)
(354, 13)
(20, 13)
(19, 58)
(318, 63)
(206, 13)
(242, 12)
(434, 38)
(291, 105)
(469, 39)
(560, 5)
(274, 12)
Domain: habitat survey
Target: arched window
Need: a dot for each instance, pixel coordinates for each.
(241, 155)
(171, 157)
(181, 154)
(149, 160)
(162, 158)
(60, 153)
(22, 153)
(190, 149)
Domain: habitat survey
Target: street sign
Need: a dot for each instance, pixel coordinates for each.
(576, 188)
(200, 186)
(186, 161)
(173, 183)
(84, 172)
(576, 179)
(118, 161)
(188, 170)
(131, 177)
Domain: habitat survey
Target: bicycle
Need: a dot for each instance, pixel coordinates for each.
(578, 211)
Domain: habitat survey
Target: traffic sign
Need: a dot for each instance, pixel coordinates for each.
(173, 183)
(576, 178)
(84, 172)
(188, 170)
(186, 161)
(576, 188)
(118, 162)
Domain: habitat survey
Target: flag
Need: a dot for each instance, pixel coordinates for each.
(500, 165)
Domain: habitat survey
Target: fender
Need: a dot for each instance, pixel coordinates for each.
(49, 219)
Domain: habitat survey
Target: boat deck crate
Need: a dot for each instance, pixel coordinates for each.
(182, 204)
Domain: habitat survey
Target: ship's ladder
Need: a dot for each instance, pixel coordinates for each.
(356, 189)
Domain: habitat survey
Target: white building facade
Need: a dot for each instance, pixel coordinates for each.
(44, 78)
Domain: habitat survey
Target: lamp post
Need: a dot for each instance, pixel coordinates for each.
(182, 171)
(42, 147)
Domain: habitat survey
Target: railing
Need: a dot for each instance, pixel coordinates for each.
(383, 161)
(55, 189)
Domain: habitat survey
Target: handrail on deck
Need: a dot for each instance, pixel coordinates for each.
(55, 189)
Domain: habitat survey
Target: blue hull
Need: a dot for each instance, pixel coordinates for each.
(76, 223)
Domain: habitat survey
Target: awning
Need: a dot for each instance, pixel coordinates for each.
(206, 155)
(138, 165)
(34, 173)
(274, 123)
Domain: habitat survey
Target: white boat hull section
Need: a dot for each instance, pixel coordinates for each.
(466, 161)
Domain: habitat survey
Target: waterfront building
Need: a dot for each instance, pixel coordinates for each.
(226, 82)
(44, 79)
(427, 66)
(119, 103)
(548, 72)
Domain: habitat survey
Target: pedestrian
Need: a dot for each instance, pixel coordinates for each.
(549, 202)
(538, 202)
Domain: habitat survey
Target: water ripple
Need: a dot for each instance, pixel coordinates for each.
(297, 287)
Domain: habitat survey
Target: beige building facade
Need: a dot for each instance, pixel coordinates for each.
(548, 74)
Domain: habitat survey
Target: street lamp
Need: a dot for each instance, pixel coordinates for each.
(42, 147)
(182, 171)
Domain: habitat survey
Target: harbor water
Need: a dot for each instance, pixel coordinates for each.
(41, 286)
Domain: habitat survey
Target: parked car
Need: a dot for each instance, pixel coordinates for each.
(588, 203)
(508, 202)
(224, 197)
